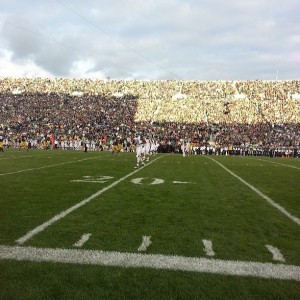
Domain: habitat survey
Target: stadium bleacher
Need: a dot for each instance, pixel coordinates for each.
(244, 114)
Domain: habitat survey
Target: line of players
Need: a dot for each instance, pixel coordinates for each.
(21, 141)
(143, 149)
(146, 147)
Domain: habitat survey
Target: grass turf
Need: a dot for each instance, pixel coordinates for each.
(212, 205)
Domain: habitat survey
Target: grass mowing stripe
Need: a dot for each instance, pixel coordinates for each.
(43, 226)
(273, 162)
(268, 199)
(153, 261)
(49, 166)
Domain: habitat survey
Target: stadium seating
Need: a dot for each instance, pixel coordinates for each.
(240, 113)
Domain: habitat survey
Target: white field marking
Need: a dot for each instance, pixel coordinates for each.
(90, 179)
(183, 182)
(28, 156)
(50, 166)
(14, 157)
(276, 253)
(84, 238)
(145, 243)
(152, 261)
(155, 181)
(268, 199)
(208, 248)
(64, 213)
(277, 163)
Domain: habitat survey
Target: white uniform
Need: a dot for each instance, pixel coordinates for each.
(183, 148)
(147, 147)
(187, 148)
(140, 155)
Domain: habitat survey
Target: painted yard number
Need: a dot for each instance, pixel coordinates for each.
(140, 180)
(91, 179)
(153, 181)
(148, 181)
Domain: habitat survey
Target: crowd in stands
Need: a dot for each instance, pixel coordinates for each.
(257, 116)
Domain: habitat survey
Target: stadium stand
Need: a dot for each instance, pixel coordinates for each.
(218, 117)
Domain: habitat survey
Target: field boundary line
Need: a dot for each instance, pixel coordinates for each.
(151, 261)
(268, 199)
(277, 163)
(50, 166)
(64, 213)
(29, 156)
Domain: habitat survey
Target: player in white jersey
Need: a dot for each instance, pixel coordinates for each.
(147, 148)
(140, 155)
(183, 148)
(188, 148)
(152, 147)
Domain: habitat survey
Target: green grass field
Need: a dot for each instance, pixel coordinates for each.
(201, 224)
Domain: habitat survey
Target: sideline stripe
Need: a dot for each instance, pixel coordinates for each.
(268, 199)
(29, 156)
(155, 261)
(276, 163)
(50, 166)
(26, 156)
(64, 213)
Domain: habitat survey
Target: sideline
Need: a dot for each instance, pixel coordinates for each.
(50, 166)
(268, 199)
(28, 156)
(64, 213)
(154, 261)
(276, 163)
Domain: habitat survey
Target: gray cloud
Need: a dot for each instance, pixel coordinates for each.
(170, 39)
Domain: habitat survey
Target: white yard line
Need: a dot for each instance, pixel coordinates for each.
(208, 249)
(64, 213)
(155, 261)
(84, 238)
(276, 253)
(49, 166)
(268, 199)
(276, 163)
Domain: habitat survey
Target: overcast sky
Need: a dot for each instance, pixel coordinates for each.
(150, 39)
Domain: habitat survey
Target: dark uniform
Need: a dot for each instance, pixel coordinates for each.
(1, 144)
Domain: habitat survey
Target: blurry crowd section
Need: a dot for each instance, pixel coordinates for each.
(217, 114)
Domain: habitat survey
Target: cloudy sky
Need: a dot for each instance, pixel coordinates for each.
(150, 39)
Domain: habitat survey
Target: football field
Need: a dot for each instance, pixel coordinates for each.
(89, 225)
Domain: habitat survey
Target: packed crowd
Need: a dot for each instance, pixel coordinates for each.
(68, 113)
